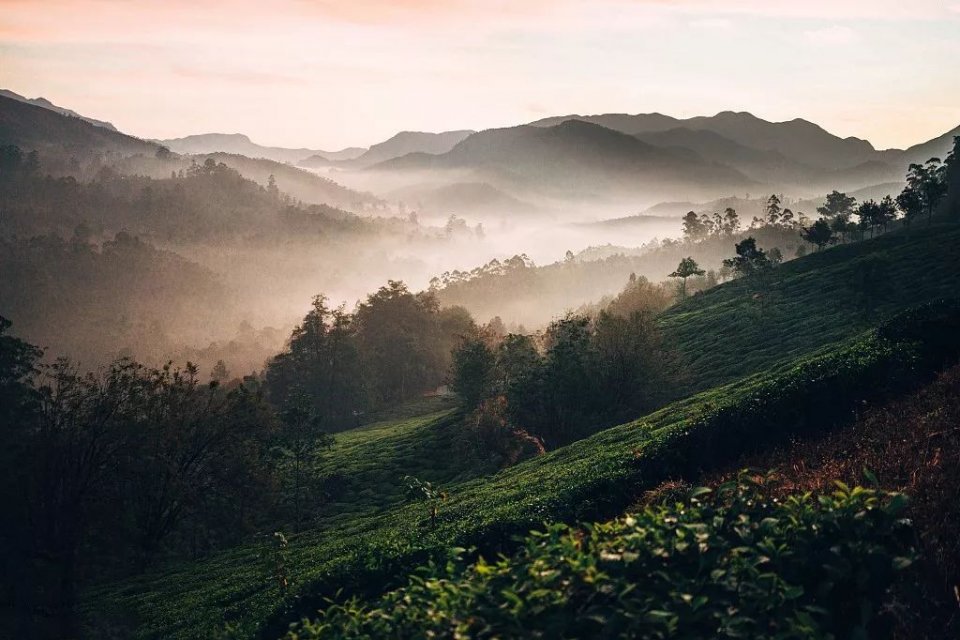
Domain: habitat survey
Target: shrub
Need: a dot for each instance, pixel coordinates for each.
(724, 564)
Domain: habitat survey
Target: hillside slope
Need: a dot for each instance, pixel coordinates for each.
(32, 127)
(46, 104)
(599, 476)
(726, 332)
(410, 142)
(298, 183)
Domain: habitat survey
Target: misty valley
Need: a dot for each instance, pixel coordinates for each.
(573, 376)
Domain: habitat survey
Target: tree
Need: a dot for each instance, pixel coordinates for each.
(219, 373)
(750, 259)
(693, 228)
(199, 452)
(567, 383)
(473, 371)
(773, 210)
(874, 214)
(910, 202)
(869, 214)
(731, 221)
(687, 267)
(887, 213)
(398, 334)
(837, 203)
(321, 364)
(629, 363)
(840, 224)
(786, 218)
(928, 182)
(820, 233)
(951, 175)
(302, 442)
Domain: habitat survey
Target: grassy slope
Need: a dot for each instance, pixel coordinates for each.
(370, 462)
(589, 478)
(724, 335)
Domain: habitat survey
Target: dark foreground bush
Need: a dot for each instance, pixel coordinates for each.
(725, 564)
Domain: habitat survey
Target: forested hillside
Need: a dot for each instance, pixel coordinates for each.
(601, 474)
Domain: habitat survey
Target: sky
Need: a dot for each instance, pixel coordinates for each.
(327, 74)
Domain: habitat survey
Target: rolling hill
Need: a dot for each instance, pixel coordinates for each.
(938, 147)
(575, 159)
(298, 183)
(409, 142)
(46, 104)
(758, 390)
(239, 144)
(33, 127)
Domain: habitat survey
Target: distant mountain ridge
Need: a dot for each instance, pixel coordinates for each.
(799, 140)
(31, 126)
(46, 104)
(407, 142)
(574, 157)
(238, 143)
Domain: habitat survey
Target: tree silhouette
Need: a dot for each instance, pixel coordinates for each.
(687, 267)
(773, 210)
(837, 204)
(820, 233)
(929, 184)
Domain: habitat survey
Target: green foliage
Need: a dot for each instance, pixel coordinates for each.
(321, 367)
(819, 233)
(750, 261)
(810, 303)
(687, 267)
(926, 187)
(589, 374)
(473, 370)
(874, 214)
(394, 347)
(423, 491)
(729, 564)
(837, 204)
(591, 479)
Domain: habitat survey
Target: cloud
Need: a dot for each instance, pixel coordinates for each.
(834, 35)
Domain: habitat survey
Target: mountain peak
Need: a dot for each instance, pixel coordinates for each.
(43, 103)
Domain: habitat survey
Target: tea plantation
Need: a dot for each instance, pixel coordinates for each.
(802, 363)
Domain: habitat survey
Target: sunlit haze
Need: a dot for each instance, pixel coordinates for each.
(329, 74)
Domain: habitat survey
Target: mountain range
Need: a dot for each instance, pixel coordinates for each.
(46, 104)
(238, 143)
(574, 159)
(592, 157)
(399, 145)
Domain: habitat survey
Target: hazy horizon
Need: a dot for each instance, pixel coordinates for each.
(326, 75)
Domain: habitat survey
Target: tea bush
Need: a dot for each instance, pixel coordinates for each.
(725, 564)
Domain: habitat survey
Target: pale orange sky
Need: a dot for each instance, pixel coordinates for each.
(333, 73)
